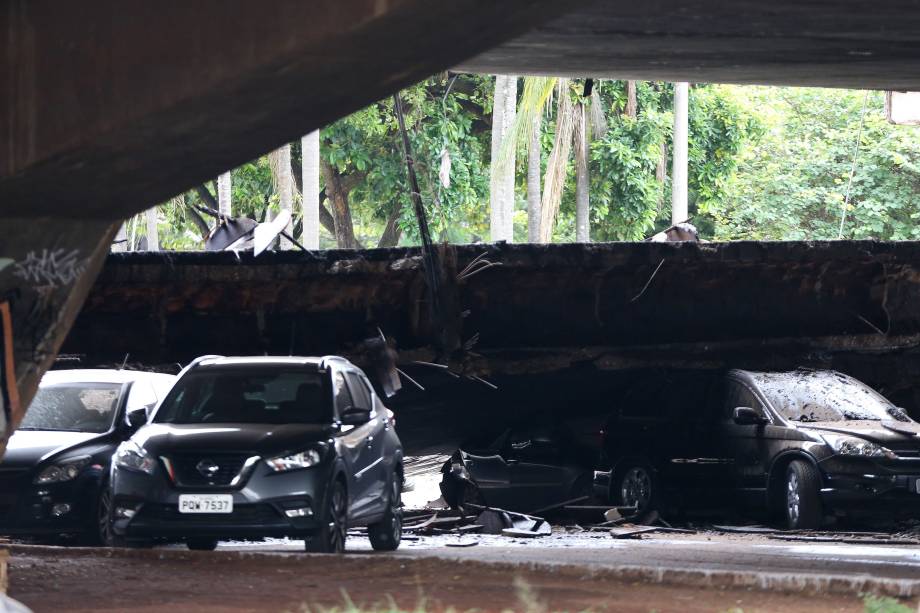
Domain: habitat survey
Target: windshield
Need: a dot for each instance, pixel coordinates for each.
(264, 396)
(817, 396)
(73, 407)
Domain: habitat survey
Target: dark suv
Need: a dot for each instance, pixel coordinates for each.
(806, 443)
(251, 447)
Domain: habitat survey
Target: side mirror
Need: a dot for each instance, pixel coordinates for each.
(746, 416)
(353, 416)
(137, 417)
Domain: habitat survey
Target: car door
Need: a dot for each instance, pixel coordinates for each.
(353, 445)
(540, 476)
(746, 444)
(375, 475)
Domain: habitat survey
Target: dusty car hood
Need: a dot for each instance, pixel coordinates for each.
(261, 439)
(879, 432)
(27, 447)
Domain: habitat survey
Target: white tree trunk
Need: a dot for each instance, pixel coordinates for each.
(582, 205)
(501, 189)
(679, 211)
(120, 244)
(309, 168)
(153, 237)
(224, 194)
(534, 175)
(286, 190)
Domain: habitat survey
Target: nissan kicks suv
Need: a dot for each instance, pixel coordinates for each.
(252, 447)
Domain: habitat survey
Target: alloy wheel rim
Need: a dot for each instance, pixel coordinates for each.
(637, 488)
(105, 527)
(337, 525)
(396, 510)
(792, 497)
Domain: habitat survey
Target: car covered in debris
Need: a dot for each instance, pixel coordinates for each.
(803, 445)
(54, 473)
(521, 470)
(252, 447)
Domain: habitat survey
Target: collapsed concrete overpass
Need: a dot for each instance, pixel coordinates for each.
(582, 314)
(110, 107)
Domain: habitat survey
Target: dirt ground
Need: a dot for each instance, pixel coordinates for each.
(206, 582)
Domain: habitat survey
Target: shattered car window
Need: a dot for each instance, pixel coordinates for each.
(821, 396)
(73, 407)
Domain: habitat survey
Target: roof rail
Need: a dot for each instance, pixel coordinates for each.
(200, 358)
(332, 358)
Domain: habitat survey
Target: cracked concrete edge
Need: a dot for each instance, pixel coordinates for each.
(811, 583)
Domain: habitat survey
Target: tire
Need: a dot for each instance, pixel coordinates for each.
(386, 534)
(636, 486)
(201, 544)
(802, 496)
(102, 533)
(330, 537)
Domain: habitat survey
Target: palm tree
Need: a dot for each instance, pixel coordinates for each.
(224, 197)
(309, 147)
(535, 100)
(280, 162)
(153, 237)
(501, 188)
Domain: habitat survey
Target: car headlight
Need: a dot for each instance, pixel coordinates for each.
(132, 456)
(303, 459)
(62, 470)
(852, 446)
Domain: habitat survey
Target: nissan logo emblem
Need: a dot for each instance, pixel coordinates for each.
(207, 468)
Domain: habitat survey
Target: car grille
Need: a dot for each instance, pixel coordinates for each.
(188, 474)
(242, 514)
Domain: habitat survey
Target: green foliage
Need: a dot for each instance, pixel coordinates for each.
(792, 181)
(884, 604)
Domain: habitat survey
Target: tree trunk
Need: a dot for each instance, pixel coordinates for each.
(224, 194)
(501, 188)
(632, 106)
(534, 173)
(582, 221)
(679, 211)
(392, 232)
(309, 146)
(153, 237)
(283, 178)
(341, 212)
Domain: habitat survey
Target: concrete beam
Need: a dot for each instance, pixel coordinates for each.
(849, 43)
(110, 106)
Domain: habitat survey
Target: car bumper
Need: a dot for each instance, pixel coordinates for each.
(148, 506)
(58, 508)
(892, 487)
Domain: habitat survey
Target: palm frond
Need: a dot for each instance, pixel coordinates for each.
(598, 119)
(557, 163)
(537, 91)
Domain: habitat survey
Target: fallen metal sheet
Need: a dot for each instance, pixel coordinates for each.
(461, 544)
(844, 539)
(525, 533)
(747, 529)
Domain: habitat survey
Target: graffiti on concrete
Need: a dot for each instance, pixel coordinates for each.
(51, 267)
(9, 392)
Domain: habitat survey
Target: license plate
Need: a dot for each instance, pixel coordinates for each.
(205, 503)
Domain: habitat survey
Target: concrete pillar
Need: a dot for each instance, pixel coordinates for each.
(42, 287)
(679, 210)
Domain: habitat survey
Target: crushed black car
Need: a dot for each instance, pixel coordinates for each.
(802, 446)
(254, 447)
(521, 470)
(54, 473)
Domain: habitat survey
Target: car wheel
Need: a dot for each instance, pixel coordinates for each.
(102, 531)
(201, 544)
(803, 498)
(330, 537)
(387, 533)
(636, 487)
